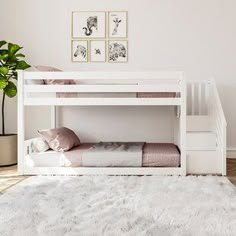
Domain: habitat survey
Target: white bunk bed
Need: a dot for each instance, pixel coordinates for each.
(102, 83)
(200, 122)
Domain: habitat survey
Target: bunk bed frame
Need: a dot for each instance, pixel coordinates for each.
(101, 82)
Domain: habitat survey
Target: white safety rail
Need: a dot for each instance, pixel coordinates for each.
(104, 82)
(97, 84)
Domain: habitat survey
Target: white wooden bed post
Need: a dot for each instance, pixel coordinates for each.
(20, 123)
(183, 126)
(53, 117)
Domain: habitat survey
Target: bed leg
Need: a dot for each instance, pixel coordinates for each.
(20, 123)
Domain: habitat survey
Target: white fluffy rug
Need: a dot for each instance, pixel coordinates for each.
(108, 205)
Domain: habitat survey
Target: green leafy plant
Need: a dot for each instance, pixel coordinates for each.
(10, 61)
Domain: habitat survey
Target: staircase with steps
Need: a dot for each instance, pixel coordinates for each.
(206, 130)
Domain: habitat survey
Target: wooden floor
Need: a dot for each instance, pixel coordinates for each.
(9, 177)
(231, 170)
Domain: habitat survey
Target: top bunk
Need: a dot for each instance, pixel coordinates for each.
(101, 88)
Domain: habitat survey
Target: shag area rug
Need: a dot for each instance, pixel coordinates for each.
(122, 205)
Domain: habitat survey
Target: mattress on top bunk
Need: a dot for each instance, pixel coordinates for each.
(153, 155)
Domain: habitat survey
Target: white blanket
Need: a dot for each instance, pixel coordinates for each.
(113, 154)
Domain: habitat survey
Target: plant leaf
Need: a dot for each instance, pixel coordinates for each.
(2, 43)
(12, 61)
(10, 89)
(20, 55)
(3, 82)
(14, 75)
(13, 48)
(3, 70)
(22, 65)
(3, 54)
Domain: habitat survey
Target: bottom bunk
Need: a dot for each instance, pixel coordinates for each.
(107, 158)
(109, 155)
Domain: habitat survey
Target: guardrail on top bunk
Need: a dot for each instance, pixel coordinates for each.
(103, 82)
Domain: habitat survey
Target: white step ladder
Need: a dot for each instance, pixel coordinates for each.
(206, 130)
(201, 149)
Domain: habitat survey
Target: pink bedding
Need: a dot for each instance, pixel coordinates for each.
(154, 155)
(155, 95)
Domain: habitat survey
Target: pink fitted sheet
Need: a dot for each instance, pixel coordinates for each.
(160, 155)
(154, 155)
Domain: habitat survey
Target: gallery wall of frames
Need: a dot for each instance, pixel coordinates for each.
(99, 36)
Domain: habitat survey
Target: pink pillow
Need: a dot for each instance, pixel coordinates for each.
(53, 81)
(56, 81)
(60, 139)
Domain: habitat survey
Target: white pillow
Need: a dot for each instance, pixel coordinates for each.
(39, 145)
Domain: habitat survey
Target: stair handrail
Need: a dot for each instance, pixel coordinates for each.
(220, 123)
(218, 101)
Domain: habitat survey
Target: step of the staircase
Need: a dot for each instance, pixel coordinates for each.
(204, 162)
(200, 141)
(198, 123)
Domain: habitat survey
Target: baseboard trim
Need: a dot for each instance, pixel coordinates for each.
(231, 153)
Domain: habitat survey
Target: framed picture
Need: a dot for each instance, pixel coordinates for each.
(98, 51)
(117, 24)
(118, 51)
(89, 24)
(79, 51)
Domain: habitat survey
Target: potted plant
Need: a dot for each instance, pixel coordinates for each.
(10, 61)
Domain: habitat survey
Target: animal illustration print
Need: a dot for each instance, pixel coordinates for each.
(92, 22)
(117, 22)
(80, 50)
(97, 51)
(116, 50)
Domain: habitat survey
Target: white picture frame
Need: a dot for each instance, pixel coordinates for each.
(117, 24)
(97, 51)
(88, 24)
(118, 51)
(79, 51)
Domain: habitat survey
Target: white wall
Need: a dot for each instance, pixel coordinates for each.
(197, 36)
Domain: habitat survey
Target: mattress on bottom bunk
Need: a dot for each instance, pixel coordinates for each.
(72, 158)
(154, 155)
